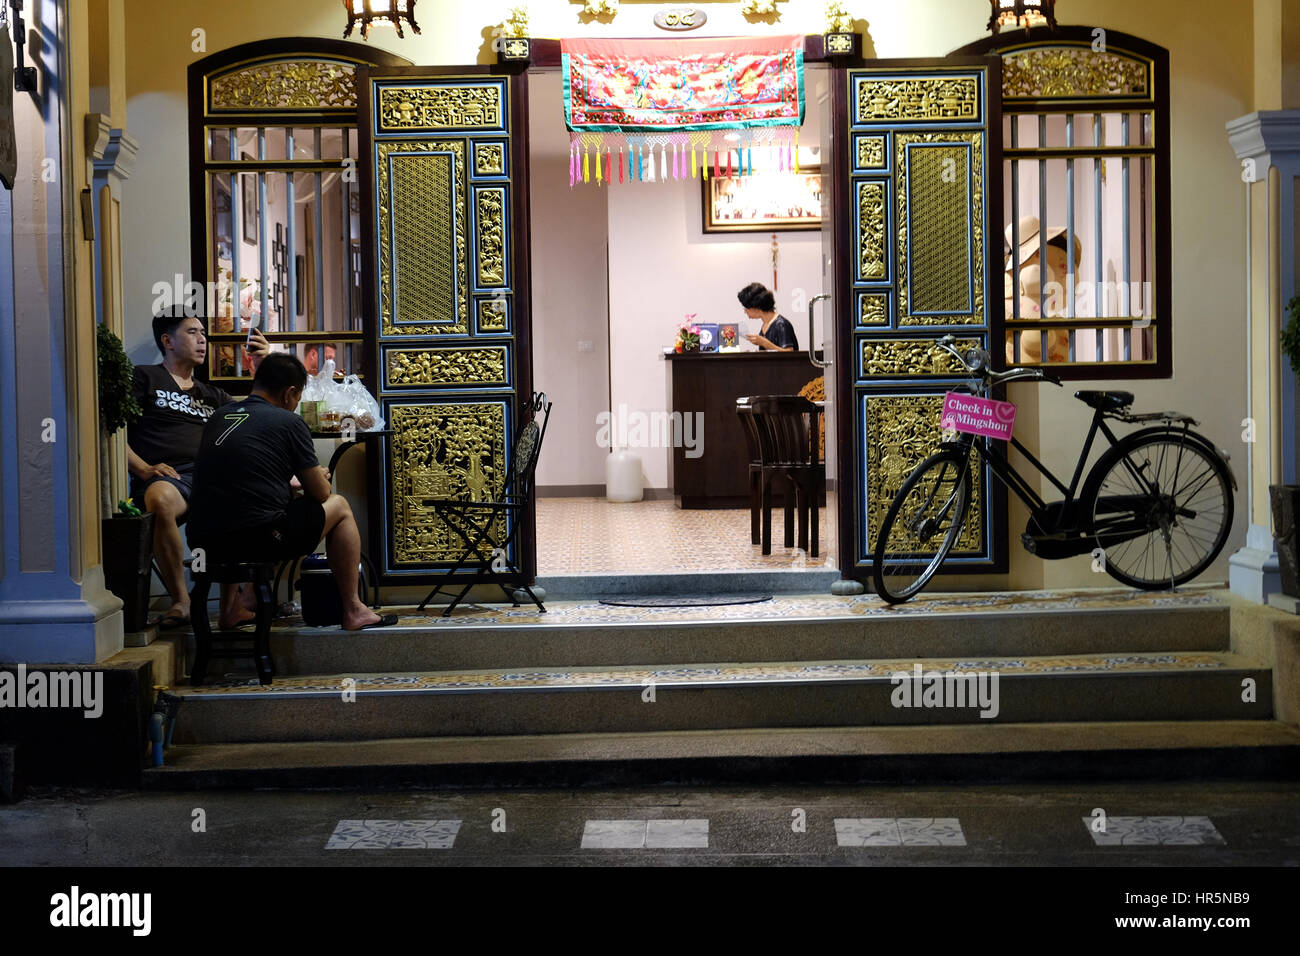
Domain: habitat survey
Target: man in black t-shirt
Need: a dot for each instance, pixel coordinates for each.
(777, 334)
(161, 445)
(244, 508)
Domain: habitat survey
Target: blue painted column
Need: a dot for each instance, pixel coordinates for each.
(53, 608)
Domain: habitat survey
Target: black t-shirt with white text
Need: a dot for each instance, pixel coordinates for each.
(172, 424)
(250, 451)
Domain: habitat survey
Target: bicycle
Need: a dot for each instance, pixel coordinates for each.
(1160, 489)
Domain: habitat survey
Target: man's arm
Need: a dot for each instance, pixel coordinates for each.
(315, 483)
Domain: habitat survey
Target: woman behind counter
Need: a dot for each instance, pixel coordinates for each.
(777, 333)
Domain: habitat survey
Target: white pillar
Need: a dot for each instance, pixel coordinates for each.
(1266, 140)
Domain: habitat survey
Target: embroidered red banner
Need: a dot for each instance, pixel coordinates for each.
(659, 85)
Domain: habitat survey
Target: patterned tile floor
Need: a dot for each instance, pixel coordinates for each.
(597, 677)
(899, 831)
(802, 607)
(670, 834)
(1153, 831)
(592, 535)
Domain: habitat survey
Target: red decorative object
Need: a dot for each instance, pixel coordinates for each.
(369, 12)
(1022, 13)
(717, 83)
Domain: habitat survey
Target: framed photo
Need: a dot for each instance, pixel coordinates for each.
(764, 202)
(249, 208)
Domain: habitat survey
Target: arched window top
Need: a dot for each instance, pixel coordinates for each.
(1075, 71)
(284, 85)
(286, 76)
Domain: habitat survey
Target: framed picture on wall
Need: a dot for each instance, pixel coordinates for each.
(249, 208)
(764, 202)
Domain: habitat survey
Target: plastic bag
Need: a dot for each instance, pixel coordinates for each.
(345, 405)
(315, 389)
(357, 406)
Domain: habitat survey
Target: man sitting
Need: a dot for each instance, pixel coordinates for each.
(162, 444)
(243, 504)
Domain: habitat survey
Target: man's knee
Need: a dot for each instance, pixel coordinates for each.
(163, 499)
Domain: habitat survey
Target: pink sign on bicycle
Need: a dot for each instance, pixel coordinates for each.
(978, 416)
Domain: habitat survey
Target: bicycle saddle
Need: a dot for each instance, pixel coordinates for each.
(1106, 401)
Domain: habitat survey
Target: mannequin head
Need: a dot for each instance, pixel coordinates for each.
(1036, 290)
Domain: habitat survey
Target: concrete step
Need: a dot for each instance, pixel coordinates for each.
(1259, 749)
(788, 628)
(1112, 687)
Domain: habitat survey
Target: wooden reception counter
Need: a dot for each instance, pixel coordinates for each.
(710, 382)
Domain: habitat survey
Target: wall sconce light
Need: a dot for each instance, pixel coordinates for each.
(370, 12)
(24, 76)
(1022, 13)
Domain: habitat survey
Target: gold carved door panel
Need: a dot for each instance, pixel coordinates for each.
(447, 287)
(922, 203)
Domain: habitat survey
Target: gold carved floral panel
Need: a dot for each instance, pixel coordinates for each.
(895, 358)
(442, 451)
(490, 226)
(872, 266)
(901, 432)
(1073, 72)
(873, 308)
(871, 153)
(289, 85)
(917, 99)
(413, 109)
(441, 368)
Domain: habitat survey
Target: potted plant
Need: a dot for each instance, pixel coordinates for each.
(688, 336)
(128, 535)
(1285, 499)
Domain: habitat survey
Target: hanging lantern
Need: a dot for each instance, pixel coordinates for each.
(1022, 13)
(370, 12)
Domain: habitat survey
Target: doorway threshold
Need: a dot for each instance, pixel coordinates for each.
(577, 587)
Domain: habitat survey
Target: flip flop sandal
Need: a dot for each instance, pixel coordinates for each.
(386, 620)
(171, 622)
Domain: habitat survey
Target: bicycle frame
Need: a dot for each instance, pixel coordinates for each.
(998, 463)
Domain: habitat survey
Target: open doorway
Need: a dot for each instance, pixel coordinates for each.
(616, 269)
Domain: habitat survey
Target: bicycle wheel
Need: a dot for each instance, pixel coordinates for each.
(922, 525)
(1161, 508)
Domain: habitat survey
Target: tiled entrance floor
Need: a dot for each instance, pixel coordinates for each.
(592, 535)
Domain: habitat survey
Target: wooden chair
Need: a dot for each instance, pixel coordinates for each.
(473, 521)
(788, 428)
(745, 415)
(233, 644)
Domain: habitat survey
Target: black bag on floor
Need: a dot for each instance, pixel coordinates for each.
(320, 595)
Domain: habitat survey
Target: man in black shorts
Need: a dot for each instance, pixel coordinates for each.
(243, 504)
(161, 445)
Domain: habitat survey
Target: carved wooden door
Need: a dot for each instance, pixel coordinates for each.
(444, 174)
(919, 236)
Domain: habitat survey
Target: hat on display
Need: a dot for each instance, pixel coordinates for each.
(1029, 241)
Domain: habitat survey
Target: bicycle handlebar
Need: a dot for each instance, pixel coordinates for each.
(978, 362)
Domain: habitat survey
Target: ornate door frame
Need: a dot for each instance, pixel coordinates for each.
(444, 171)
(904, 132)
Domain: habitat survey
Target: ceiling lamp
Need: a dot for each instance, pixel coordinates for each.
(1022, 13)
(370, 12)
